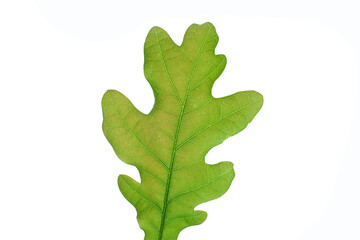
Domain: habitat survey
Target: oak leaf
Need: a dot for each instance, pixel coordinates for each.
(168, 145)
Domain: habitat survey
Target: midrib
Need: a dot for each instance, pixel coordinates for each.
(170, 172)
(167, 190)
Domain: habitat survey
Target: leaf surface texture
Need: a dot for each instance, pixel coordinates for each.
(168, 145)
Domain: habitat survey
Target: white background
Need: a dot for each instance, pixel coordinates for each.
(297, 164)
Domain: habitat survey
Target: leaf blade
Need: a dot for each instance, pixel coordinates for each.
(168, 146)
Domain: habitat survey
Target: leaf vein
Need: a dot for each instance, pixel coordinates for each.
(232, 113)
(136, 138)
(167, 71)
(201, 186)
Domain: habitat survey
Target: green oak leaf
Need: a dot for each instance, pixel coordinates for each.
(168, 145)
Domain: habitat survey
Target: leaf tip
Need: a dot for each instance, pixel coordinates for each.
(255, 97)
(201, 216)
